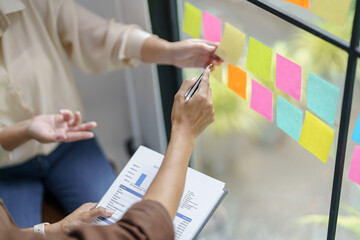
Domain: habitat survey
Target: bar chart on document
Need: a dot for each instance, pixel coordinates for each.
(129, 187)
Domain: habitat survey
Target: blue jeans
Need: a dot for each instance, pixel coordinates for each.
(74, 173)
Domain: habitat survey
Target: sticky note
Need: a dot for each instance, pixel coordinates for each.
(261, 100)
(334, 11)
(192, 20)
(217, 73)
(356, 133)
(322, 98)
(316, 137)
(289, 118)
(354, 172)
(259, 59)
(231, 45)
(211, 27)
(301, 3)
(288, 77)
(237, 80)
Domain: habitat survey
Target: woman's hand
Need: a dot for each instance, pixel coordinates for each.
(194, 53)
(85, 214)
(186, 53)
(59, 127)
(194, 116)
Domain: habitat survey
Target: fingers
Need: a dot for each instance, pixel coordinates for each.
(66, 114)
(84, 127)
(77, 119)
(101, 212)
(75, 136)
(186, 85)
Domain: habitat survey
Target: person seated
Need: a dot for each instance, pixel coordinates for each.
(151, 218)
(39, 39)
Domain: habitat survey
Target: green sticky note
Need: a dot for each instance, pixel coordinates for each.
(259, 59)
(231, 45)
(192, 20)
(334, 11)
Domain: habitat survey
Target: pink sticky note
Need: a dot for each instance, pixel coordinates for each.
(288, 77)
(354, 173)
(211, 27)
(261, 100)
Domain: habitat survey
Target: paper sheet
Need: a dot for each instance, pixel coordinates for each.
(316, 137)
(301, 3)
(288, 77)
(334, 11)
(289, 118)
(237, 80)
(259, 59)
(231, 45)
(261, 100)
(354, 172)
(201, 193)
(211, 27)
(356, 133)
(322, 98)
(192, 20)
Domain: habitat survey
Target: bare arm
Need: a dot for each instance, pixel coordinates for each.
(188, 121)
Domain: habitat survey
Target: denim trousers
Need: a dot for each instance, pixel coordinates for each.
(75, 173)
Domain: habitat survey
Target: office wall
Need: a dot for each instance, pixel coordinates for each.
(125, 103)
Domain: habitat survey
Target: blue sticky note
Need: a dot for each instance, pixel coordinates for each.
(356, 133)
(289, 118)
(322, 98)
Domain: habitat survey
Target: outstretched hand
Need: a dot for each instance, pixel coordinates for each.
(64, 127)
(194, 53)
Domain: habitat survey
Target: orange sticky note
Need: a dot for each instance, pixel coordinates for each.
(237, 80)
(301, 3)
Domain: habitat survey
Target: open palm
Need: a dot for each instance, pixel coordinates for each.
(63, 127)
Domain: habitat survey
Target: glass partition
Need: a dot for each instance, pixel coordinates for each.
(277, 189)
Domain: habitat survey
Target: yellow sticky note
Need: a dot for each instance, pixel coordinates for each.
(217, 73)
(192, 20)
(231, 45)
(316, 137)
(334, 11)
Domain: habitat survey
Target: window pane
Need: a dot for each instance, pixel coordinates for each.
(275, 185)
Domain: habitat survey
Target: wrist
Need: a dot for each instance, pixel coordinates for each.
(182, 135)
(54, 228)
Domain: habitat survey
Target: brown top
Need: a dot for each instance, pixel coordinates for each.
(144, 220)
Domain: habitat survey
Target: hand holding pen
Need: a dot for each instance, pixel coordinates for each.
(191, 118)
(192, 90)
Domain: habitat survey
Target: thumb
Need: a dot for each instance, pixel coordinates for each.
(101, 212)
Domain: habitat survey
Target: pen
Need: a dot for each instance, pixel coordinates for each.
(193, 89)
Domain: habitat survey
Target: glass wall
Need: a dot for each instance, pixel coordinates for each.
(277, 189)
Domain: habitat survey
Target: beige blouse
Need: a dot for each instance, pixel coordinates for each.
(37, 39)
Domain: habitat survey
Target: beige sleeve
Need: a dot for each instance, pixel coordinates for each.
(97, 45)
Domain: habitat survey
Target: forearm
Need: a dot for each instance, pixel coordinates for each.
(168, 185)
(15, 135)
(156, 50)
